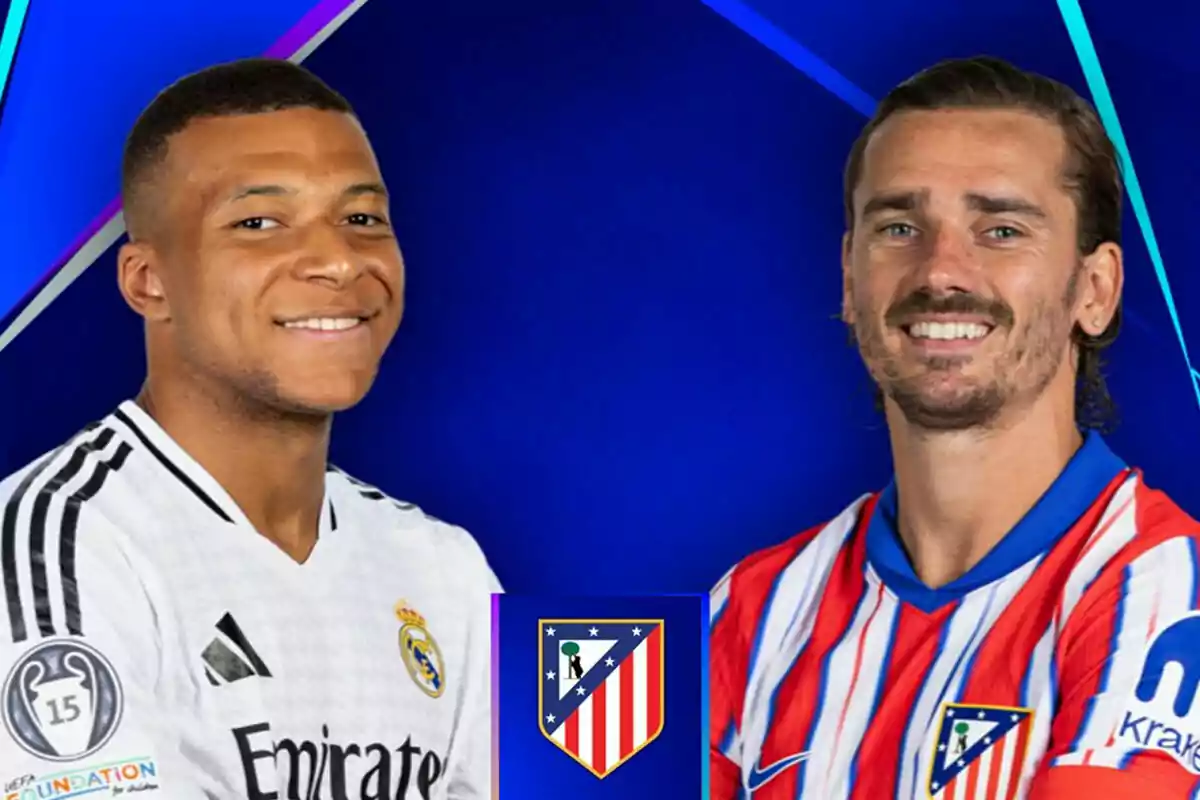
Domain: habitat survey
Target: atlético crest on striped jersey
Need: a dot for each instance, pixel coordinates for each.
(602, 686)
(979, 753)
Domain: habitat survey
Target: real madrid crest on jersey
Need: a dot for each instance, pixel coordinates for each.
(62, 700)
(420, 652)
(979, 746)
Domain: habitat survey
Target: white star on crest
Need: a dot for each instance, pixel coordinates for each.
(637, 631)
(593, 632)
(549, 631)
(549, 718)
(580, 691)
(608, 662)
(550, 675)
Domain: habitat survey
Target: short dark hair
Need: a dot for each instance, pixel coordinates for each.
(1092, 175)
(246, 86)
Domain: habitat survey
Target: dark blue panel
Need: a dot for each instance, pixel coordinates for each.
(670, 766)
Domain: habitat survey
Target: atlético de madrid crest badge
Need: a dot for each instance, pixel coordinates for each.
(979, 746)
(601, 688)
(421, 654)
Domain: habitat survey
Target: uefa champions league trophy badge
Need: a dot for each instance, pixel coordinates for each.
(62, 700)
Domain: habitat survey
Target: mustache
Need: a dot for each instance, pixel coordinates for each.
(924, 301)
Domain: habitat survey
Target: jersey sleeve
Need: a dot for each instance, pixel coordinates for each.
(470, 759)
(1128, 718)
(727, 686)
(80, 657)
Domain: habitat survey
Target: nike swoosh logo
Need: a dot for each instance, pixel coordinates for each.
(760, 777)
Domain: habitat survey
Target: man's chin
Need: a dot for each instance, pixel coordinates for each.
(940, 409)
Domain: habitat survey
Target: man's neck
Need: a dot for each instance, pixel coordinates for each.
(959, 493)
(273, 467)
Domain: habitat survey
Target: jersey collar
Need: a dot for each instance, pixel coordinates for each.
(1086, 476)
(192, 475)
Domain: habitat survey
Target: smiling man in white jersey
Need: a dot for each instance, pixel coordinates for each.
(1014, 616)
(196, 604)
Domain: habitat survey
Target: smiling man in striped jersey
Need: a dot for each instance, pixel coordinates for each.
(1014, 616)
(195, 603)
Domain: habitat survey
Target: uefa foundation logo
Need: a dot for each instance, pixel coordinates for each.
(62, 700)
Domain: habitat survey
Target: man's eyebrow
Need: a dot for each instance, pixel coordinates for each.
(994, 204)
(366, 188)
(257, 190)
(894, 201)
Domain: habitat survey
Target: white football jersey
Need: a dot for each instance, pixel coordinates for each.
(154, 642)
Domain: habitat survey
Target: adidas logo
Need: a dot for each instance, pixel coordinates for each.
(229, 656)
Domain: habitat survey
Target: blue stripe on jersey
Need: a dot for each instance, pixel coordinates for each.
(823, 686)
(1195, 573)
(1023, 694)
(879, 684)
(762, 620)
(1085, 477)
(727, 738)
(958, 664)
(937, 653)
(1118, 623)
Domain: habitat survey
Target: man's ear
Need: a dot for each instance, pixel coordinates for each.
(1100, 285)
(140, 280)
(847, 282)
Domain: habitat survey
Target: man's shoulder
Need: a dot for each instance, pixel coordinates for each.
(762, 569)
(75, 473)
(1139, 519)
(401, 523)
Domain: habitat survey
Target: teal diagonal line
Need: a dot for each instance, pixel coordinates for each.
(1085, 50)
(9, 38)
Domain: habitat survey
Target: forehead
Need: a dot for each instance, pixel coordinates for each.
(958, 151)
(308, 142)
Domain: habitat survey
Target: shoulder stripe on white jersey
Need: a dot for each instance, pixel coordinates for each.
(37, 502)
(370, 492)
(8, 546)
(172, 467)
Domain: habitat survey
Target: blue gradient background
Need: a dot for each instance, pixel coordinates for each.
(622, 225)
(531, 766)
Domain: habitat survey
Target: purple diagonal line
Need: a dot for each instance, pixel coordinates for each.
(311, 24)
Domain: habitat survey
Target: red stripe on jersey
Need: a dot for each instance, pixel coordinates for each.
(599, 717)
(653, 682)
(1004, 656)
(972, 779)
(993, 781)
(1161, 779)
(856, 671)
(914, 648)
(1085, 643)
(626, 669)
(1021, 748)
(799, 699)
(733, 634)
(572, 726)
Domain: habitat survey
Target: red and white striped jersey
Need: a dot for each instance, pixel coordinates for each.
(1062, 665)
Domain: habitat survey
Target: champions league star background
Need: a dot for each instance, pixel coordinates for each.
(621, 367)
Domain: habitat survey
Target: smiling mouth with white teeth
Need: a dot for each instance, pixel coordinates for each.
(324, 324)
(948, 331)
